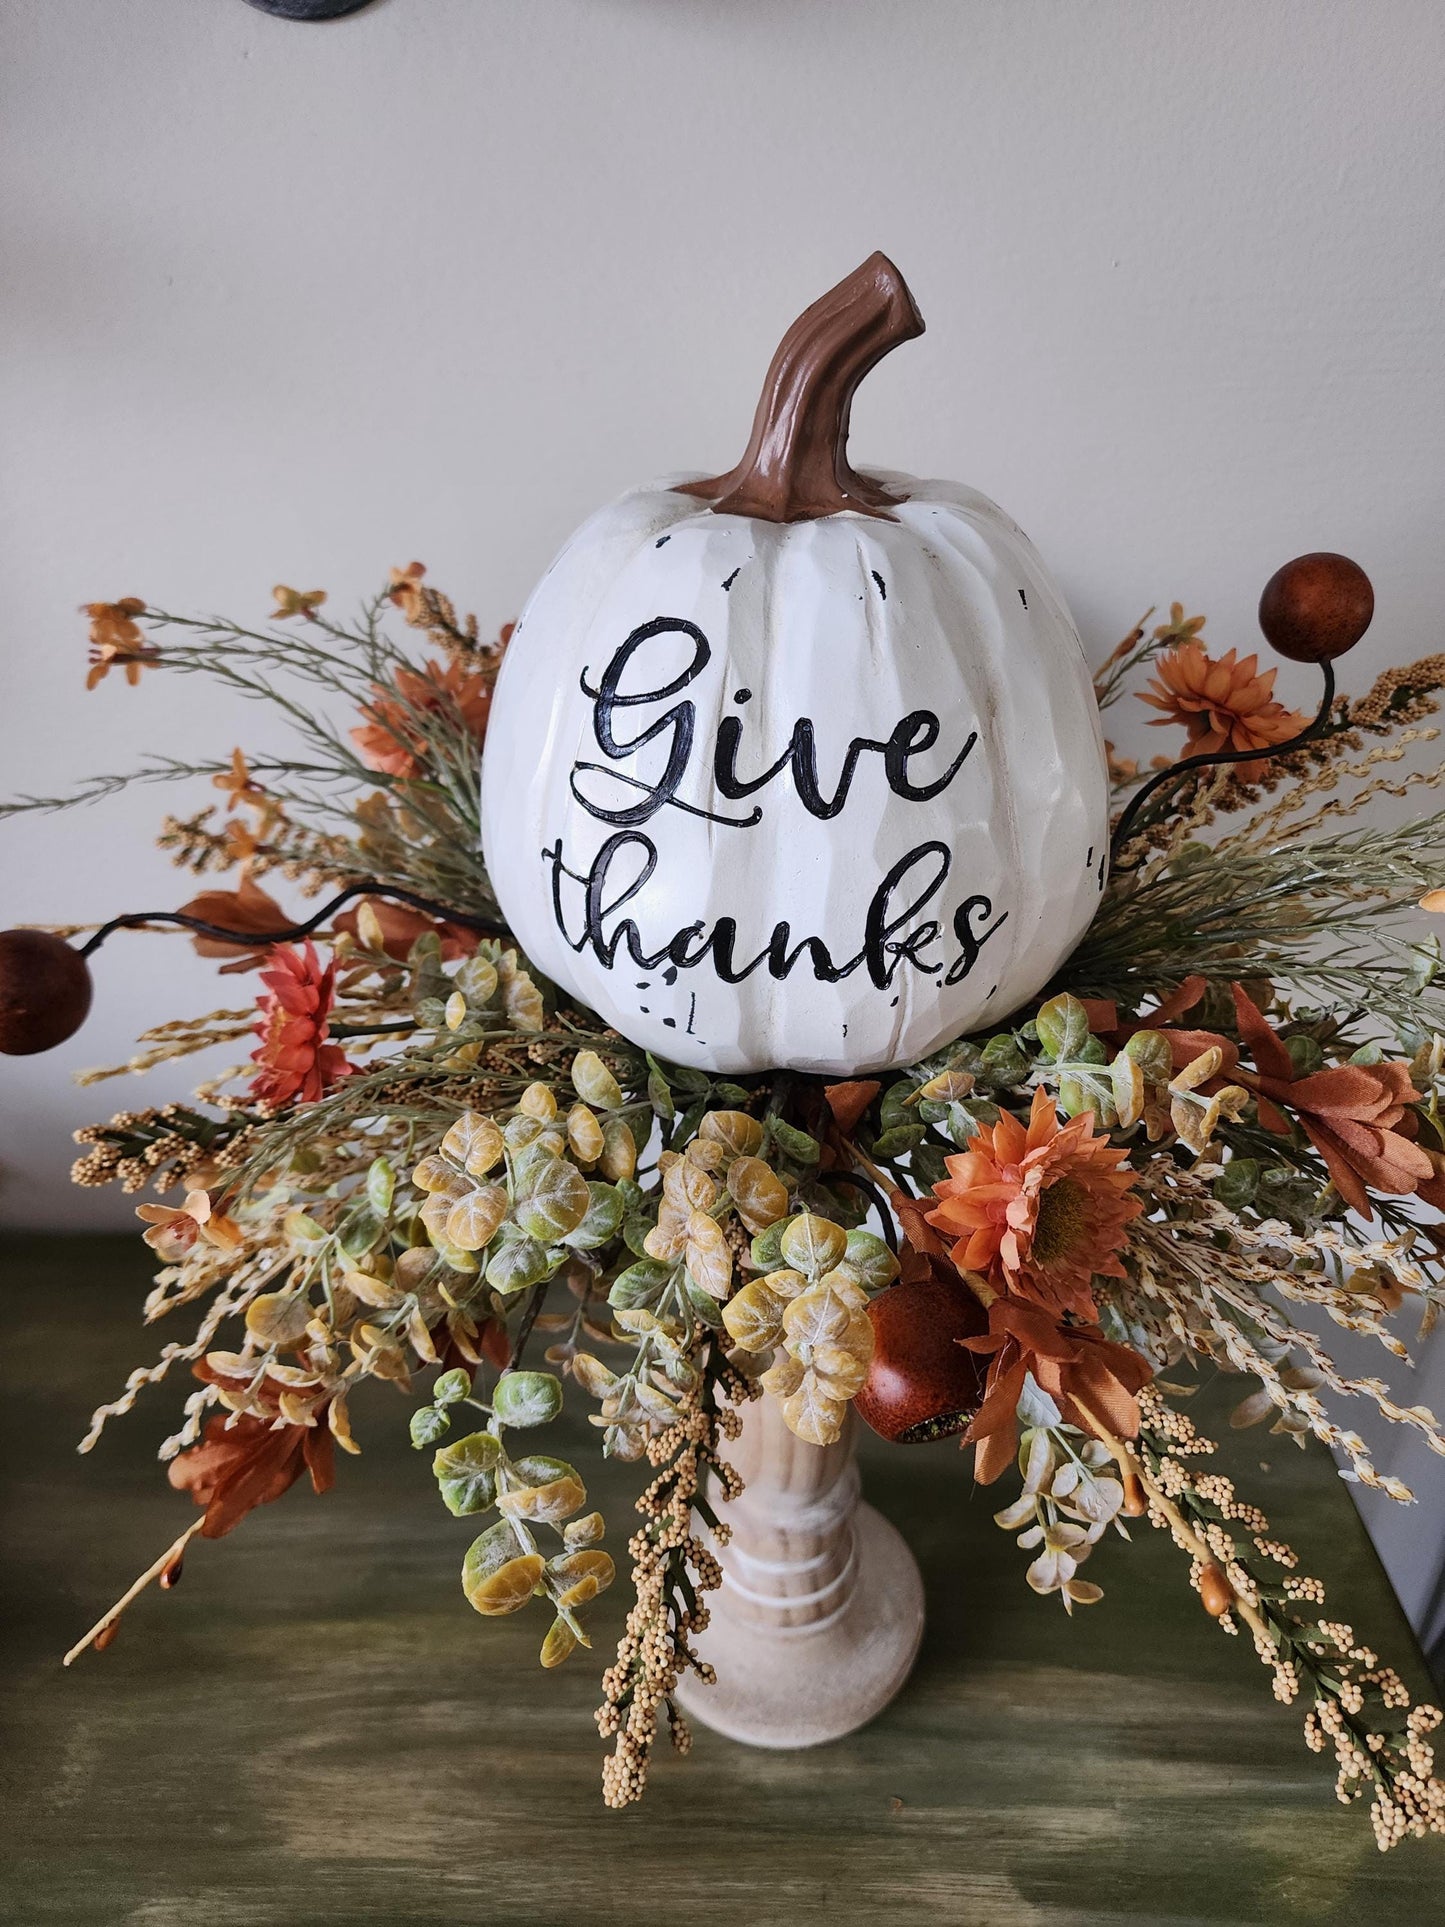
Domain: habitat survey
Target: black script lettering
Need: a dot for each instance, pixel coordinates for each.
(971, 940)
(608, 697)
(917, 732)
(913, 736)
(883, 956)
(892, 935)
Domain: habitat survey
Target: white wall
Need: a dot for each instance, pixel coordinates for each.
(292, 302)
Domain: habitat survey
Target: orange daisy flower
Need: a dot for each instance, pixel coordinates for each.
(390, 740)
(297, 1063)
(1040, 1211)
(1224, 703)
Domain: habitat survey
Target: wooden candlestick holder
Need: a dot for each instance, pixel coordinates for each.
(818, 1620)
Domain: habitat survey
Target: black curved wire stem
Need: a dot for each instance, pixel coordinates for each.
(871, 1191)
(257, 939)
(1176, 770)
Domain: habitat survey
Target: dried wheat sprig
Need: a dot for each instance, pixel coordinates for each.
(1215, 1296)
(244, 1281)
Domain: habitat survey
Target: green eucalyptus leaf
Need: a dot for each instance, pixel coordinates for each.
(1080, 1094)
(466, 1473)
(1424, 963)
(659, 1096)
(426, 952)
(476, 979)
(358, 1231)
(813, 1245)
(964, 1057)
(380, 1186)
(677, 1078)
(515, 1261)
(301, 1230)
(427, 1425)
(767, 1247)
(703, 1304)
(552, 1199)
(1063, 1027)
(868, 1261)
(927, 1163)
(527, 1398)
(1005, 1064)
(602, 1219)
(793, 1143)
(1150, 1051)
(452, 1256)
(542, 1490)
(641, 1285)
(521, 1131)
(894, 1109)
(899, 1141)
(1305, 1054)
(451, 1386)
(1237, 1183)
(498, 1574)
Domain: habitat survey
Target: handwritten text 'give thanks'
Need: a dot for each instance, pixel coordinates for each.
(627, 719)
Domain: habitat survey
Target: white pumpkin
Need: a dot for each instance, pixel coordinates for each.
(796, 767)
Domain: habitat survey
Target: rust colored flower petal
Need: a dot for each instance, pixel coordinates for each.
(849, 1101)
(247, 908)
(242, 1462)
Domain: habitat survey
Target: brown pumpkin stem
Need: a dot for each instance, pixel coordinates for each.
(796, 465)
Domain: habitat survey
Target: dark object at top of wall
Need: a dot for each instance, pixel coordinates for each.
(310, 9)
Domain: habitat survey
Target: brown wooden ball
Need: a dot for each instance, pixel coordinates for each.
(922, 1384)
(1316, 607)
(44, 991)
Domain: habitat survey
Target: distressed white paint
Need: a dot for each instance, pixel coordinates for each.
(936, 912)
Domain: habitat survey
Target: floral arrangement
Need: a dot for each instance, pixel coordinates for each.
(433, 1167)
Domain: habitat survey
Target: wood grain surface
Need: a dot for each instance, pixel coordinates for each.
(315, 1727)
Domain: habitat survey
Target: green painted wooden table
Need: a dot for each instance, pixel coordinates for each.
(315, 1728)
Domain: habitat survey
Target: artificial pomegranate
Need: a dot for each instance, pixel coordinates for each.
(922, 1384)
